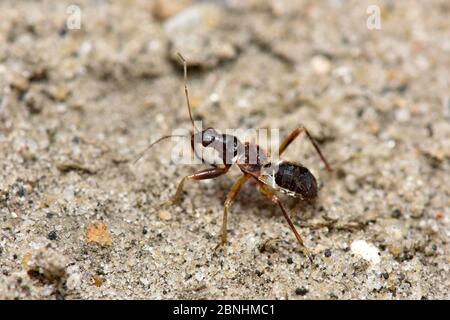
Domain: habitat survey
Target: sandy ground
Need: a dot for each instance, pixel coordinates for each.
(79, 220)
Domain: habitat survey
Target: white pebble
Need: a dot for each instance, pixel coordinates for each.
(69, 193)
(199, 276)
(366, 251)
(402, 115)
(343, 73)
(320, 64)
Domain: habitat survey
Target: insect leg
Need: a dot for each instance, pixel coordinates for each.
(294, 134)
(209, 173)
(228, 202)
(272, 197)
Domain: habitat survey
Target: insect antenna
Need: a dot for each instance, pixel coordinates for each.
(152, 144)
(186, 91)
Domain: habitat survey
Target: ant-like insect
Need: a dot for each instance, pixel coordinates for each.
(287, 177)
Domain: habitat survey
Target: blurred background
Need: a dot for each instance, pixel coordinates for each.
(86, 85)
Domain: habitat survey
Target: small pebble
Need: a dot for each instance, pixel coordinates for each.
(320, 64)
(21, 191)
(98, 233)
(163, 9)
(59, 296)
(19, 82)
(34, 102)
(198, 32)
(98, 280)
(165, 215)
(402, 115)
(58, 92)
(327, 253)
(52, 235)
(351, 184)
(396, 214)
(199, 276)
(301, 291)
(366, 250)
(69, 193)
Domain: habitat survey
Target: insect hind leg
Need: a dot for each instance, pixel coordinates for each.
(296, 133)
(272, 197)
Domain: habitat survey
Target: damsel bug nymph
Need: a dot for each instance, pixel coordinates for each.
(286, 177)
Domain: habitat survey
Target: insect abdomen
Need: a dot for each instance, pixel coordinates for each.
(296, 179)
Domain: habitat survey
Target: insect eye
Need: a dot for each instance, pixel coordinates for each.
(208, 137)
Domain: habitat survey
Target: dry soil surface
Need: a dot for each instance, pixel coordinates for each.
(79, 219)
